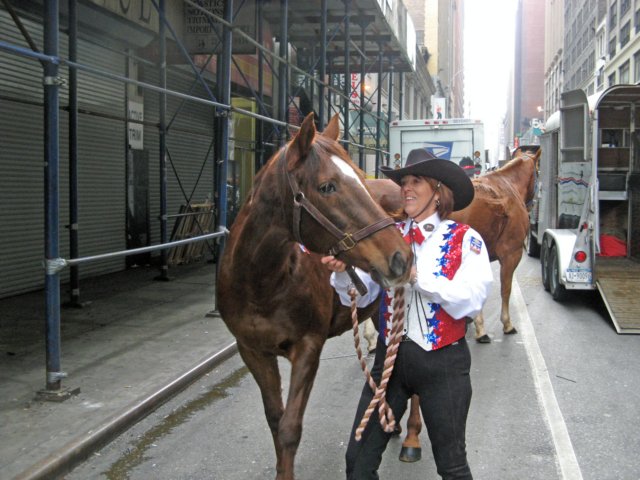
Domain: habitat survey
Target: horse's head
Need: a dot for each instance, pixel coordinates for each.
(332, 210)
(522, 172)
(531, 155)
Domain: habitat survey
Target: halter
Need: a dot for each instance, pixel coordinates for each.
(346, 241)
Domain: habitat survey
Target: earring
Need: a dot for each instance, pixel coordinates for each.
(437, 202)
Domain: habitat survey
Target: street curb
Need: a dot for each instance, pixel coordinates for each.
(77, 450)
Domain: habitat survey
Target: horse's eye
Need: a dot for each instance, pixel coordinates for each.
(327, 188)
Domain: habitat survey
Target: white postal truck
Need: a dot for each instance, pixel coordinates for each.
(448, 138)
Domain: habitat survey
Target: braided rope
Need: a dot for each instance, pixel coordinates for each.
(387, 420)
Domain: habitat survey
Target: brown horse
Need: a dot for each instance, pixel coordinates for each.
(500, 213)
(274, 295)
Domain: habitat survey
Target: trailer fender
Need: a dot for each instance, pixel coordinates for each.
(564, 241)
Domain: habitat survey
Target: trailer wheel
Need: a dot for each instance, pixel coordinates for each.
(544, 265)
(531, 244)
(557, 290)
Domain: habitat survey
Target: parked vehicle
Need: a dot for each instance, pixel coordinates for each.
(448, 138)
(585, 221)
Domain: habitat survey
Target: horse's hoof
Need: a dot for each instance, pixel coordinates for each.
(511, 332)
(371, 351)
(397, 430)
(410, 454)
(484, 339)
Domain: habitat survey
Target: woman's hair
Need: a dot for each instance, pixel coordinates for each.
(446, 197)
(446, 201)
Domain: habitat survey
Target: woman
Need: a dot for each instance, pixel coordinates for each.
(450, 280)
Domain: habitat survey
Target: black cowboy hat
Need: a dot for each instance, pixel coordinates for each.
(423, 163)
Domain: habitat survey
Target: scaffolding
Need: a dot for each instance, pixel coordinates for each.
(264, 63)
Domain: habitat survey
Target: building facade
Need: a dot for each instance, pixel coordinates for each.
(527, 99)
(439, 27)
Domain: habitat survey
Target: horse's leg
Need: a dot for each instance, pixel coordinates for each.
(507, 268)
(370, 335)
(411, 450)
(264, 368)
(481, 335)
(305, 358)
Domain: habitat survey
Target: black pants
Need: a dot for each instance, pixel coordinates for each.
(441, 379)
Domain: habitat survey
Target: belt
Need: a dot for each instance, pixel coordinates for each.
(405, 338)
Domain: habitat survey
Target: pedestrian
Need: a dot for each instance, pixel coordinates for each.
(450, 280)
(477, 162)
(467, 165)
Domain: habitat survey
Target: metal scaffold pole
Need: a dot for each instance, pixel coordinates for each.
(347, 71)
(323, 64)
(162, 71)
(52, 82)
(283, 70)
(379, 111)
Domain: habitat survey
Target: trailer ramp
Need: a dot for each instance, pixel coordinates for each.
(618, 280)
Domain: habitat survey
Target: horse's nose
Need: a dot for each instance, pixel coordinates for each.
(398, 264)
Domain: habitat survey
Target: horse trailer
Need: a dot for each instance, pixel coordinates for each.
(585, 221)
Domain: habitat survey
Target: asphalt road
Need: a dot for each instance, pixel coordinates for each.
(558, 400)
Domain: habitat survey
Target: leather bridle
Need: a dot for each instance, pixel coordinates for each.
(346, 241)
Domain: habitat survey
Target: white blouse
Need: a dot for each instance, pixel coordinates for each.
(461, 295)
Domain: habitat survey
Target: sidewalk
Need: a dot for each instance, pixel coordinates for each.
(124, 352)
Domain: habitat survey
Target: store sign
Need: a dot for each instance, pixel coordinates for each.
(135, 130)
(355, 90)
(141, 12)
(203, 33)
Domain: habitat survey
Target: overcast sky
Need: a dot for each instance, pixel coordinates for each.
(488, 58)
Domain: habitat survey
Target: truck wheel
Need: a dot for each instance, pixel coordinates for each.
(557, 290)
(531, 244)
(544, 265)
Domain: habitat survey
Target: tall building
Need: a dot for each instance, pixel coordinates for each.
(581, 19)
(528, 73)
(599, 47)
(553, 56)
(621, 62)
(439, 27)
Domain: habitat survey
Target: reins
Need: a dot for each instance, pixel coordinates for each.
(385, 413)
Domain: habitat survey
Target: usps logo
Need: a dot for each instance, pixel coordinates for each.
(440, 149)
(476, 245)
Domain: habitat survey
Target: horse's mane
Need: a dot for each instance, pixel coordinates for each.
(508, 173)
(486, 190)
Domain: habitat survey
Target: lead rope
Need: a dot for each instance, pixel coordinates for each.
(387, 420)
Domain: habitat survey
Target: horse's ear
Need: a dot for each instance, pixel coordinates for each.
(333, 128)
(301, 144)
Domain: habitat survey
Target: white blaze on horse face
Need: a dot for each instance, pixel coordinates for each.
(348, 171)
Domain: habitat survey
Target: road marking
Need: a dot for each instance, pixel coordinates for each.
(566, 457)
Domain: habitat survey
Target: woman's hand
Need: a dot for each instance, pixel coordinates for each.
(333, 263)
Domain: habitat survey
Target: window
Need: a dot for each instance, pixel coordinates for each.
(624, 72)
(599, 79)
(624, 6)
(612, 79)
(636, 21)
(601, 45)
(612, 47)
(613, 16)
(624, 34)
(636, 67)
